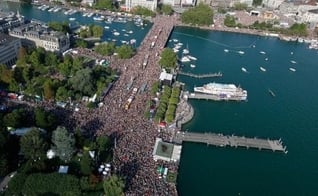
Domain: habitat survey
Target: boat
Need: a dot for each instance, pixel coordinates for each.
(116, 33)
(262, 52)
(271, 93)
(223, 91)
(241, 52)
(244, 70)
(266, 59)
(192, 58)
(85, 14)
(292, 69)
(99, 18)
(90, 14)
(192, 65)
(72, 19)
(185, 59)
(130, 32)
(185, 51)
(293, 62)
(262, 68)
(106, 27)
(226, 50)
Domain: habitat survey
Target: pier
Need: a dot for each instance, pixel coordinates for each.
(231, 141)
(208, 75)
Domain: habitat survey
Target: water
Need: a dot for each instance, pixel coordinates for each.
(291, 115)
(31, 12)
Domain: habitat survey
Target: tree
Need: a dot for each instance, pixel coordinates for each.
(17, 118)
(114, 186)
(97, 31)
(63, 144)
(83, 82)
(104, 4)
(34, 147)
(240, 6)
(22, 56)
(139, 10)
(257, 2)
(105, 48)
(48, 89)
(229, 21)
(81, 43)
(44, 119)
(125, 51)
(168, 59)
(86, 164)
(166, 9)
(199, 15)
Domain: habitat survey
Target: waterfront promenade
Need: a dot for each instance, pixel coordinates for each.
(232, 141)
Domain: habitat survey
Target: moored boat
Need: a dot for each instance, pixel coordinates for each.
(223, 91)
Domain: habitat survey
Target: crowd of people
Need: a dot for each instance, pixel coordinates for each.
(134, 134)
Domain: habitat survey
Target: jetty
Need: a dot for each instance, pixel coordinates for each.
(230, 140)
(208, 75)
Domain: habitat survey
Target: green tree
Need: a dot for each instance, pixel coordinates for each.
(44, 119)
(257, 2)
(81, 43)
(6, 74)
(166, 9)
(168, 59)
(240, 6)
(34, 147)
(229, 21)
(125, 51)
(86, 164)
(64, 143)
(104, 4)
(83, 82)
(114, 186)
(199, 15)
(51, 59)
(17, 118)
(48, 89)
(105, 48)
(22, 56)
(139, 10)
(16, 184)
(62, 93)
(97, 31)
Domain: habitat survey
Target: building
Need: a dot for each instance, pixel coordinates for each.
(166, 151)
(166, 78)
(150, 4)
(10, 20)
(9, 49)
(274, 4)
(88, 2)
(40, 35)
(226, 3)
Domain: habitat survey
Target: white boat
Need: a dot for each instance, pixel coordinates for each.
(106, 27)
(192, 65)
(126, 34)
(175, 50)
(130, 32)
(262, 68)
(185, 51)
(241, 52)
(57, 9)
(90, 14)
(51, 9)
(99, 18)
(244, 70)
(192, 58)
(72, 19)
(266, 59)
(262, 52)
(226, 50)
(292, 69)
(175, 40)
(293, 62)
(85, 14)
(185, 59)
(223, 91)
(116, 33)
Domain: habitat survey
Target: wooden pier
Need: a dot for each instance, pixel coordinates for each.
(209, 75)
(232, 141)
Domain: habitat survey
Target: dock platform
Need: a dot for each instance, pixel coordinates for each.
(231, 141)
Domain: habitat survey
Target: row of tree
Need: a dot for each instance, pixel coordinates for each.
(168, 102)
(201, 15)
(123, 52)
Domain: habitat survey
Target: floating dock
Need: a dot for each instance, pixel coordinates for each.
(232, 141)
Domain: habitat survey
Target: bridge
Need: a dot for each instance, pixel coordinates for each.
(231, 141)
(208, 75)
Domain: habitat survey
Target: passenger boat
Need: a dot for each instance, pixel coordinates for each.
(223, 91)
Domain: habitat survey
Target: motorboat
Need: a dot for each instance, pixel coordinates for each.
(262, 52)
(292, 69)
(241, 52)
(192, 58)
(226, 50)
(262, 69)
(293, 62)
(192, 65)
(244, 70)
